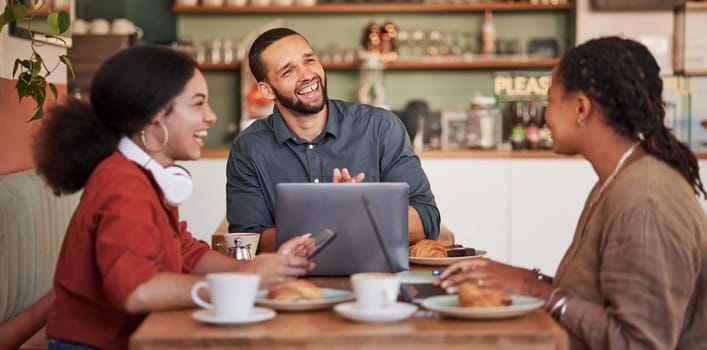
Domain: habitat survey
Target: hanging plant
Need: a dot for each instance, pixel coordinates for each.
(32, 72)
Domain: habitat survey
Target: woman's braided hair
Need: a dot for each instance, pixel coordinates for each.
(623, 79)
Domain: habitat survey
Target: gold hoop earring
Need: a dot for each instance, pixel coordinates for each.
(164, 142)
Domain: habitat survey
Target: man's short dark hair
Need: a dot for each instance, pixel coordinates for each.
(259, 45)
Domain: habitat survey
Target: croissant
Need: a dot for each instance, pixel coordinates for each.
(471, 295)
(295, 290)
(427, 248)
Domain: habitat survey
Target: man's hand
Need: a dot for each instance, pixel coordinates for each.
(344, 176)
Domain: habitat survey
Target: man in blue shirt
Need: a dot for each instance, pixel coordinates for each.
(310, 138)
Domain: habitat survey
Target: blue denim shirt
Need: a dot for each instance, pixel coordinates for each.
(358, 137)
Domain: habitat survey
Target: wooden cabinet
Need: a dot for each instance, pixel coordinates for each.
(88, 52)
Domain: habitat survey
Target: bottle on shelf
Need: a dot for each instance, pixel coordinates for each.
(482, 122)
(518, 128)
(532, 130)
(545, 133)
(488, 34)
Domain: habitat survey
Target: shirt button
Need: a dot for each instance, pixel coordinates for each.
(311, 146)
(316, 181)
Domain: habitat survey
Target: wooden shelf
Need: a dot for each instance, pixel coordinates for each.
(692, 5)
(219, 66)
(43, 11)
(481, 62)
(374, 8)
(477, 63)
(465, 153)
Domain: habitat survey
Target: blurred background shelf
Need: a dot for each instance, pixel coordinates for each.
(373, 8)
(506, 62)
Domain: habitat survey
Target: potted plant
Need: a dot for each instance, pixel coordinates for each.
(32, 72)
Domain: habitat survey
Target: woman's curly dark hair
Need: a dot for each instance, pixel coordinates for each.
(623, 79)
(129, 89)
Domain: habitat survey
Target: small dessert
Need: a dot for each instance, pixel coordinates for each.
(427, 248)
(295, 290)
(457, 250)
(471, 295)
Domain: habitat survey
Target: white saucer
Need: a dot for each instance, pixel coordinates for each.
(258, 314)
(396, 312)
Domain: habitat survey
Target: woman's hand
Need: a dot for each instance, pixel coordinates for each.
(493, 274)
(275, 267)
(299, 246)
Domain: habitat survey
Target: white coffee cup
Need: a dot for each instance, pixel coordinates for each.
(375, 290)
(232, 294)
(248, 239)
(99, 26)
(79, 26)
(122, 26)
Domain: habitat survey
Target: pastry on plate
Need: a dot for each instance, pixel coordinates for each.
(471, 295)
(427, 248)
(295, 290)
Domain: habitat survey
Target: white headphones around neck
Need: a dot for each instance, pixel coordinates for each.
(174, 180)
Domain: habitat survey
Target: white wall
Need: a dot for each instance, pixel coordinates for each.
(653, 28)
(12, 47)
(206, 207)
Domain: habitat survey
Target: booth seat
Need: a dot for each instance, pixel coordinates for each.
(33, 222)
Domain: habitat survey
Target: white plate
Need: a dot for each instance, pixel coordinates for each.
(331, 298)
(258, 314)
(448, 305)
(396, 312)
(444, 261)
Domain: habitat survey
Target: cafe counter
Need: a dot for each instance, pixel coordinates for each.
(521, 207)
(544, 154)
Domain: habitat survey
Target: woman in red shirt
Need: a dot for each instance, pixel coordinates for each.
(125, 252)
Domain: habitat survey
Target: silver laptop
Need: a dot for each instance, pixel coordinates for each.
(307, 207)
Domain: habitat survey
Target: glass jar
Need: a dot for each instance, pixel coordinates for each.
(482, 123)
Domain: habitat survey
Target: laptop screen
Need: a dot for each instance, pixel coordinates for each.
(307, 207)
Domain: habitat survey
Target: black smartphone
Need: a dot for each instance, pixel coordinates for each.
(321, 240)
(417, 292)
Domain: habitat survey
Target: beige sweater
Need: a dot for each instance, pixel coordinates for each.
(637, 268)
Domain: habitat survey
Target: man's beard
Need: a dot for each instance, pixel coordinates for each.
(298, 106)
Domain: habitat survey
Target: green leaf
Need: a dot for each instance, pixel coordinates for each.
(3, 21)
(37, 65)
(38, 114)
(39, 93)
(22, 88)
(18, 62)
(19, 12)
(53, 23)
(52, 87)
(67, 61)
(64, 21)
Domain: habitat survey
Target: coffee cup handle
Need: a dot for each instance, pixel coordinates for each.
(195, 294)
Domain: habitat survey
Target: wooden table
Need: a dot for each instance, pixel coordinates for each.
(325, 329)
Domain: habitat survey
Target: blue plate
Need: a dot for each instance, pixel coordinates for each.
(331, 298)
(448, 305)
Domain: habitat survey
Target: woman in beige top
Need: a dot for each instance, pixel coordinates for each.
(635, 274)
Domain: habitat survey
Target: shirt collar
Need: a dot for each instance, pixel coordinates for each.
(283, 133)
